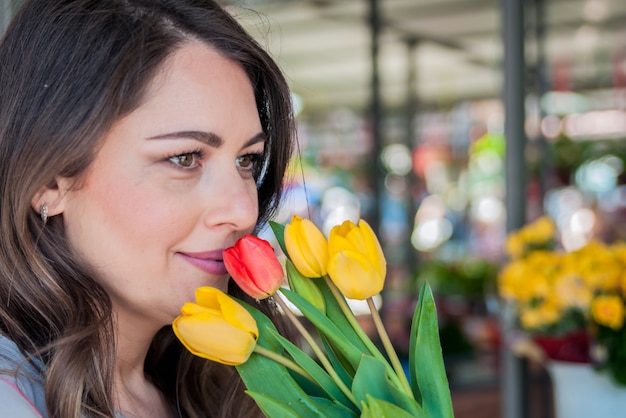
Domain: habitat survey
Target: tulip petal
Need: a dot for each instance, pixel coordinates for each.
(253, 265)
(213, 338)
(307, 247)
(360, 250)
(374, 249)
(217, 327)
(195, 309)
(218, 301)
(338, 242)
(356, 238)
(354, 275)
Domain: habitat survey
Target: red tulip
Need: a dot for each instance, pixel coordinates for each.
(253, 265)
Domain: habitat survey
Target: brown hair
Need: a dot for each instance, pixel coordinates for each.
(68, 70)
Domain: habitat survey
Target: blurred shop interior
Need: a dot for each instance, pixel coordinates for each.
(402, 117)
(402, 110)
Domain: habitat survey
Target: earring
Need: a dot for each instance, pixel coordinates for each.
(43, 212)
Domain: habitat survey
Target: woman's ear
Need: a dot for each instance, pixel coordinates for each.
(52, 196)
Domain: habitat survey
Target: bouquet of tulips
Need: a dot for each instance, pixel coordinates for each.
(348, 376)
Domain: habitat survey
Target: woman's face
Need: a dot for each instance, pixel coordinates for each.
(171, 187)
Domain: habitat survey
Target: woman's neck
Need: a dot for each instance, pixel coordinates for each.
(135, 394)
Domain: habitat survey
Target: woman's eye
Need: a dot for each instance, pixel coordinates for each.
(250, 162)
(186, 160)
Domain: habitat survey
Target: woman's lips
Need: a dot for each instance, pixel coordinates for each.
(210, 261)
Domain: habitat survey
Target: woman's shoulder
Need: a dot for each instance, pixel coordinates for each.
(21, 384)
(15, 403)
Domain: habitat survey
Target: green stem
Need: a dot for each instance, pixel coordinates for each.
(282, 360)
(352, 319)
(316, 349)
(359, 331)
(384, 338)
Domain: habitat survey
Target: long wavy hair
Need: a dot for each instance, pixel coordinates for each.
(68, 70)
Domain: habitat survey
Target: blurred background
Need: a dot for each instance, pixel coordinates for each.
(405, 111)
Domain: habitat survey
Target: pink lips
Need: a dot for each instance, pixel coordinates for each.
(208, 261)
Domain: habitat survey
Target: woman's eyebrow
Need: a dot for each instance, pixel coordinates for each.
(260, 137)
(209, 138)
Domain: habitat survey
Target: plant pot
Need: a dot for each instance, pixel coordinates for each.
(572, 348)
(582, 392)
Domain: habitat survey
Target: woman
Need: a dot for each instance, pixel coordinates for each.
(138, 139)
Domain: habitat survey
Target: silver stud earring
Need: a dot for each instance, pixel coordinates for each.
(43, 212)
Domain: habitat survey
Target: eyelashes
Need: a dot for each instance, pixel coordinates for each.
(253, 164)
(187, 160)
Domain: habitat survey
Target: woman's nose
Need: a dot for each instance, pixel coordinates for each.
(233, 203)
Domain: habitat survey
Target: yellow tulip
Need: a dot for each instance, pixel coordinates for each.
(306, 246)
(216, 327)
(356, 264)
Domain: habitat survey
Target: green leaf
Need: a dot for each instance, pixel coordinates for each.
(326, 327)
(333, 410)
(377, 408)
(274, 408)
(279, 233)
(270, 379)
(305, 286)
(315, 371)
(371, 380)
(271, 407)
(342, 367)
(336, 315)
(427, 371)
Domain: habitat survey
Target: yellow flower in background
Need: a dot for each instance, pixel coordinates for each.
(599, 266)
(608, 310)
(529, 278)
(619, 250)
(560, 295)
(511, 279)
(514, 246)
(541, 231)
(539, 316)
(356, 264)
(307, 247)
(622, 284)
(570, 290)
(216, 327)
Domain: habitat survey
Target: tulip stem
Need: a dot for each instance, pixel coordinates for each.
(391, 352)
(282, 360)
(366, 340)
(316, 349)
(351, 319)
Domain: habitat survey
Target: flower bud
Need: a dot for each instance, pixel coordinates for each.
(356, 264)
(307, 247)
(216, 327)
(252, 263)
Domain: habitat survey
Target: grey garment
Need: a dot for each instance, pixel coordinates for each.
(21, 385)
(14, 403)
(22, 394)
